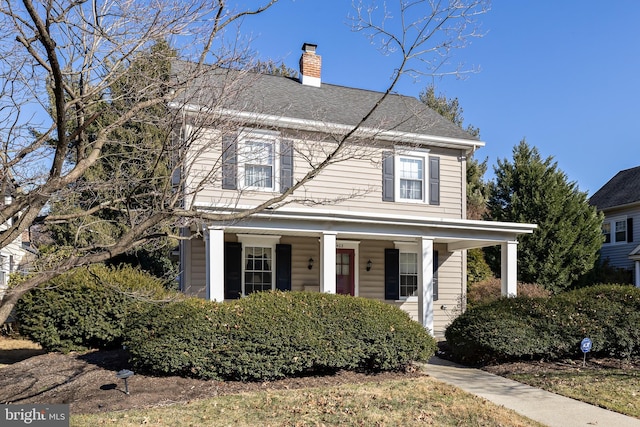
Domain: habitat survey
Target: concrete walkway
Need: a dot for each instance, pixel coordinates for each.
(547, 408)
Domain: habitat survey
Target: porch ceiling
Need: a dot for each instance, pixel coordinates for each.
(457, 234)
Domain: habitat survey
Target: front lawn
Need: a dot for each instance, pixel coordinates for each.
(419, 401)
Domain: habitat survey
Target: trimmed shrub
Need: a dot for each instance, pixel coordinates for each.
(87, 307)
(552, 328)
(271, 335)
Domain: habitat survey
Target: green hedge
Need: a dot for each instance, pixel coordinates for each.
(552, 328)
(87, 307)
(271, 335)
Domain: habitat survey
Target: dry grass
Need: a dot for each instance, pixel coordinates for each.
(614, 389)
(16, 349)
(420, 401)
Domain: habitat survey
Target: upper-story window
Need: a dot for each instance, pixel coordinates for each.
(621, 230)
(618, 230)
(606, 231)
(411, 176)
(257, 160)
(258, 163)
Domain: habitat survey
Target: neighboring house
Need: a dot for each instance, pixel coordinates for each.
(11, 255)
(619, 200)
(392, 226)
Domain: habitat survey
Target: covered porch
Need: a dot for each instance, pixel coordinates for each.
(372, 249)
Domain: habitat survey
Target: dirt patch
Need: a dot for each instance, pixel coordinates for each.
(88, 383)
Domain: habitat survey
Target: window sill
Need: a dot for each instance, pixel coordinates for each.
(408, 299)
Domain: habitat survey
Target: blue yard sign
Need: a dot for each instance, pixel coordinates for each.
(585, 346)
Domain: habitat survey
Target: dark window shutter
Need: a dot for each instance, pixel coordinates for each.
(435, 275)
(232, 270)
(391, 274)
(286, 165)
(283, 267)
(629, 230)
(229, 162)
(387, 176)
(434, 180)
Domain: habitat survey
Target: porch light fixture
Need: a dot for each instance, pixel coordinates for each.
(369, 264)
(310, 266)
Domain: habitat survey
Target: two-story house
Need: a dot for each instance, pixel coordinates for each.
(384, 219)
(619, 200)
(11, 255)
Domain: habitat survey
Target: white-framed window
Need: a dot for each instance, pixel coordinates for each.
(408, 274)
(621, 230)
(258, 262)
(411, 167)
(411, 178)
(258, 269)
(409, 269)
(615, 230)
(258, 168)
(606, 232)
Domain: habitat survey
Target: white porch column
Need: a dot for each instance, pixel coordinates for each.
(214, 248)
(509, 267)
(637, 264)
(328, 263)
(425, 284)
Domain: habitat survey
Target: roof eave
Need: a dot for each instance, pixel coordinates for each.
(468, 145)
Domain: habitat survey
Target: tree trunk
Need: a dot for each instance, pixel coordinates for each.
(8, 302)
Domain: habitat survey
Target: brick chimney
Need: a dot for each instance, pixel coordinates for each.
(310, 65)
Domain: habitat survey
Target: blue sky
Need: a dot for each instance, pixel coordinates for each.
(565, 75)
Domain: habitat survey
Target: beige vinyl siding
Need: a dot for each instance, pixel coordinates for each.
(354, 184)
(451, 289)
(303, 248)
(371, 283)
(195, 269)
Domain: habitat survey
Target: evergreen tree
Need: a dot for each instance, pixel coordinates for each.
(477, 188)
(532, 190)
(139, 163)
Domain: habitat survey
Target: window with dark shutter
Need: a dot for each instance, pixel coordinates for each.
(286, 165)
(391, 274)
(629, 230)
(387, 176)
(229, 162)
(232, 270)
(283, 267)
(435, 275)
(434, 180)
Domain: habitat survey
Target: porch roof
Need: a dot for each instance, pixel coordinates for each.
(457, 234)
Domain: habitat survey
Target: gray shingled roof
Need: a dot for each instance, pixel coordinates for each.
(622, 189)
(287, 97)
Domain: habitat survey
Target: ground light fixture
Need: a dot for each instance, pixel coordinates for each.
(124, 374)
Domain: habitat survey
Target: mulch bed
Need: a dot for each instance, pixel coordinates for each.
(88, 383)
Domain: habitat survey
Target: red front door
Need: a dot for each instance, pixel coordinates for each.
(345, 277)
